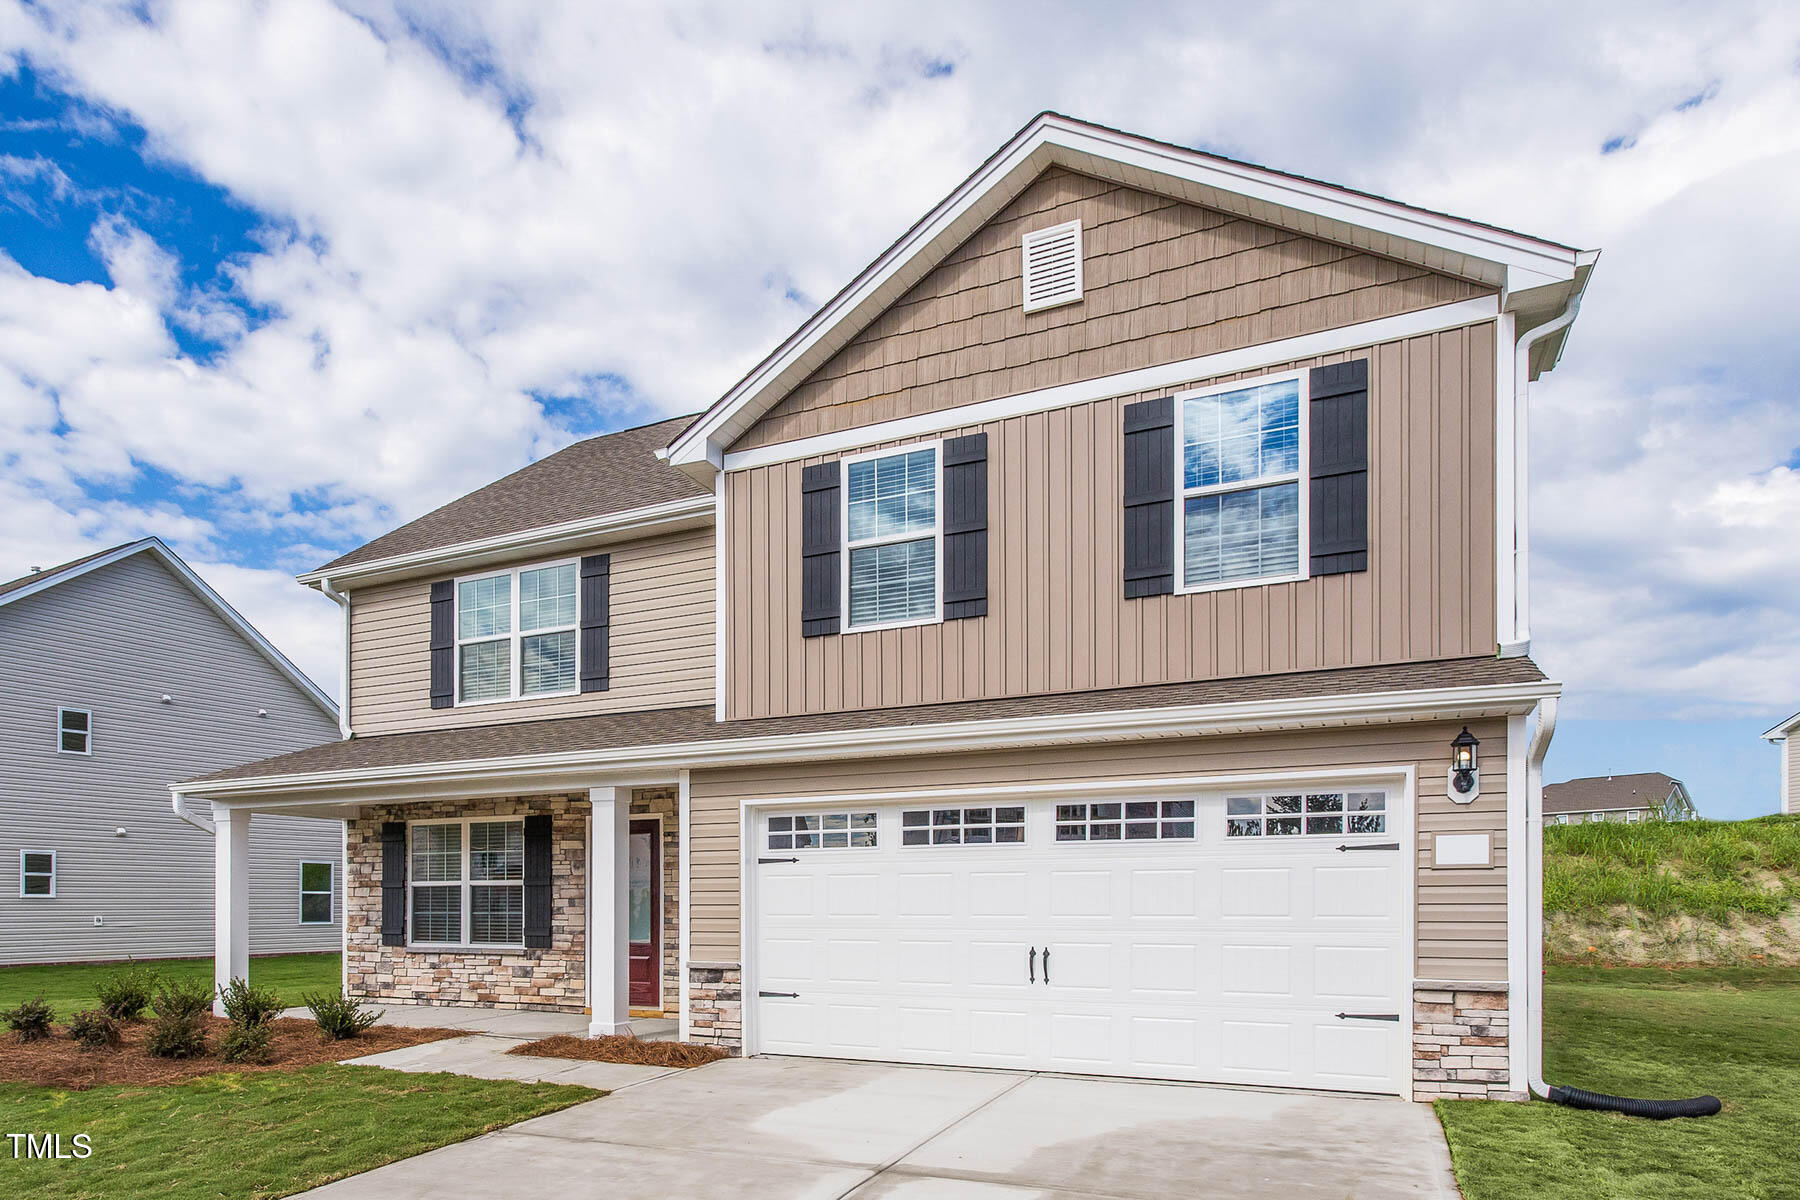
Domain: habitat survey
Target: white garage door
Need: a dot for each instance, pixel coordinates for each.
(1251, 937)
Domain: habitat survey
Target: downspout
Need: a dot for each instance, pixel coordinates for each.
(343, 602)
(1521, 622)
(179, 803)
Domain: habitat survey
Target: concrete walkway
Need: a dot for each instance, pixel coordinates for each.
(831, 1129)
(504, 1022)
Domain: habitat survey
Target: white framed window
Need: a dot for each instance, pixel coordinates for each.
(1240, 451)
(37, 873)
(984, 826)
(517, 633)
(822, 831)
(74, 731)
(1300, 814)
(893, 538)
(1125, 820)
(316, 892)
(467, 883)
(1633, 816)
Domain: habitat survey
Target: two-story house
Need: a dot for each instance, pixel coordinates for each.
(1095, 641)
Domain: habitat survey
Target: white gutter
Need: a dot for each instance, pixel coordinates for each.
(1532, 1019)
(343, 601)
(179, 803)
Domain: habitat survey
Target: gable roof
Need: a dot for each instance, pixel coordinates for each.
(1601, 793)
(1537, 278)
(42, 581)
(594, 479)
(1782, 731)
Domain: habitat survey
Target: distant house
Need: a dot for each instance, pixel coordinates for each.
(121, 673)
(1651, 796)
(1782, 736)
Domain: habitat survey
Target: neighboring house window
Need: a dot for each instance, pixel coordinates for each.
(315, 893)
(468, 883)
(1238, 459)
(74, 731)
(1633, 816)
(515, 634)
(892, 543)
(37, 872)
(822, 831)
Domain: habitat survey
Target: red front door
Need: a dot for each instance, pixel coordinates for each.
(645, 904)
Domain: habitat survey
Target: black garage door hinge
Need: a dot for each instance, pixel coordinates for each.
(1365, 846)
(780, 995)
(1368, 1016)
(770, 860)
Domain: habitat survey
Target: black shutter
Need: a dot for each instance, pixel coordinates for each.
(1339, 467)
(393, 883)
(443, 644)
(819, 549)
(537, 882)
(596, 622)
(1150, 497)
(965, 527)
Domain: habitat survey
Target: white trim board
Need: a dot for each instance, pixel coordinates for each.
(1144, 379)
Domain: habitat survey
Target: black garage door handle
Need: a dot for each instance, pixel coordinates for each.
(1363, 846)
(1368, 1016)
(780, 995)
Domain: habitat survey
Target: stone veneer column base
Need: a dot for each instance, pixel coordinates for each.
(1460, 1040)
(716, 1004)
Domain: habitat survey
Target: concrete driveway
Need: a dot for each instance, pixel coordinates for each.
(820, 1128)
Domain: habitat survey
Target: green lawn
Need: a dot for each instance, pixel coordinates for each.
(69, 987)
(1708, 869)
(254, 1137)
(1648, 1031)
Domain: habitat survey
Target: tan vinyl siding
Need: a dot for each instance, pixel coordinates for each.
(1461, 913)
(661, 639)
(1165, 281)
(1058, 619)
(1790, 787)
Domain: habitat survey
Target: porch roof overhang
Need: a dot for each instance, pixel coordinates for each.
(655, 746)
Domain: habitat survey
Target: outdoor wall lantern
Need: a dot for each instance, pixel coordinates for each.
(1465, 769)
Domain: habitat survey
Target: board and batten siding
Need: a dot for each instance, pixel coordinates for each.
(661, 644)
(1057, 617)
(115, 641)
(1163, 281)
(1461, 931)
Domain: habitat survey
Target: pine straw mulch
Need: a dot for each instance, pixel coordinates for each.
(621, 1049)
(59, 1062)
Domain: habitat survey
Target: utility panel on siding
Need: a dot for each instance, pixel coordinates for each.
(1052, 266)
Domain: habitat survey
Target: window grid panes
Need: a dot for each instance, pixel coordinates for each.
(891, 529)
(37, 873)
(822, 831)
(516, 634)
(468, 883)
(1299, 813)
(1125, 820)
(985, 826)
(73, 729)
(1240, 471)
(315, 893)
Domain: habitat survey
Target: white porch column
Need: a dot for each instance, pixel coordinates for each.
(231, 899)
(609, 931)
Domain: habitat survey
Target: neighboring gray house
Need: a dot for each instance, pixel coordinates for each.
(1783, 737)
(1649, 796)
(121, 673)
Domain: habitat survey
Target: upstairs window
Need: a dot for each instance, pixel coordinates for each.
(892, 538)
(516, 634)
(1242, 513)
(74, 731)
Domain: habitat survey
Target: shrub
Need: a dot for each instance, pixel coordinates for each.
(31, 1020)
(245, 1043)
(249, 1006)
(175, 1036)
(339, 1017)
(94, 1029)
(182, 999)
(124, 995)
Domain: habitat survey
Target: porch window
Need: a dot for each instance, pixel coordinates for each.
(468, 883)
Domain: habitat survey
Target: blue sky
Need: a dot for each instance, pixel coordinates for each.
(276, 278)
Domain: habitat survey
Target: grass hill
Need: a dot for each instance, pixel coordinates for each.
(1716, 892)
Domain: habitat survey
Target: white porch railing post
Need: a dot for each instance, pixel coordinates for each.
(609, 931)
(231, 899)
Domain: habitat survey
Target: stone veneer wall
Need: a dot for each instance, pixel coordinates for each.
(664, 802)
(716, 1004)
(552, 978)
(1460, 1041)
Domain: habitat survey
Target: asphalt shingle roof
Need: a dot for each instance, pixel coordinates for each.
(1603, 792)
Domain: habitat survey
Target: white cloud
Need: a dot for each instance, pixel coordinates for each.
(471, 206)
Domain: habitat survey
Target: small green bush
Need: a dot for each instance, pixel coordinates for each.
(249, 1006)
(245, 1044)
(31, 1020)
(176, 1036)
(124, 995)
(95, 1030)
(339, 1017)
(181, 999)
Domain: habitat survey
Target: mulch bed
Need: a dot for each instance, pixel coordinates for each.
(623, 1050)
(59, 1062)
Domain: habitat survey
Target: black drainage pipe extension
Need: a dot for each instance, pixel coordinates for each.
(1655, 1110)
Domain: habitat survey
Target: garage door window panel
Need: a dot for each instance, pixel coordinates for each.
(988, 826)
(822, 831)
(1294, 814)
(1126, 820)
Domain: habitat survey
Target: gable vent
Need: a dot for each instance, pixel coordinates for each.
(1053, 266)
